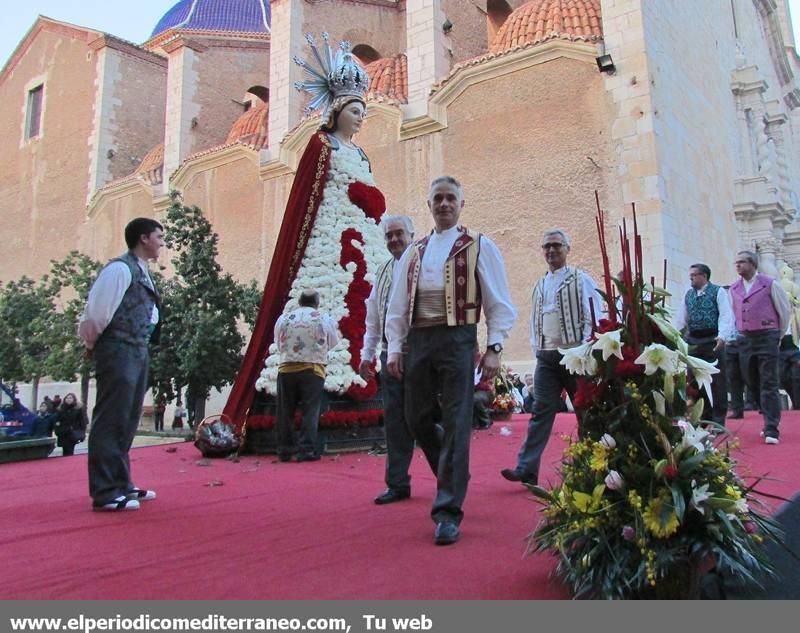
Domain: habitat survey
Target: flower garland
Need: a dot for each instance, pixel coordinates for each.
(328, 420)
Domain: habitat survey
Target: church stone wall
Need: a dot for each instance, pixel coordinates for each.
(380, 26)
(530, 148)
(139, 98)
(224, 74)
(231, 198)
(43, 180)
(103, 235)
(696, 127)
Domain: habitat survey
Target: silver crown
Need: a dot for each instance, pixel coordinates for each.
(332, 76)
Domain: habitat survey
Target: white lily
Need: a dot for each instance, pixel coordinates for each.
(579, 360)
(699, 495)
(657, 356)
(692, 436)
(702, 371)
(609, 344)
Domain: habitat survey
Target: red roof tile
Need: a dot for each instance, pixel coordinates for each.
(388, 78)
(251, 128)
(152, 166)
(541, 20)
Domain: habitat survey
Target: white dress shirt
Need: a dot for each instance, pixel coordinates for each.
(104, 298)
(373, 336)
(552, 282)
(498, 309)
(726, 324)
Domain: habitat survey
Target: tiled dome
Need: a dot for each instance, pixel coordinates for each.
(251, 128)
(388, 78)
(541, 20)
(238, 16)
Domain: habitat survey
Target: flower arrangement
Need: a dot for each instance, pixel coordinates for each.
(504, 403)
(647, 502)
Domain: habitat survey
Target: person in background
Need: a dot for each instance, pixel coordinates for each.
(70, 424)
(763, 312)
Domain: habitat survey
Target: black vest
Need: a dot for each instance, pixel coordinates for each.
(132, 320)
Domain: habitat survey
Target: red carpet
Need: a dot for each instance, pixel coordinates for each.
(258, 529)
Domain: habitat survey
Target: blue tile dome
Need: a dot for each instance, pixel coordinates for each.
(240, 16)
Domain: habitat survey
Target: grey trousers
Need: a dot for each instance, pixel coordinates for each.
(121, 385)
(760, 357)
(298, 389)
(399, 441)
(439, 372)
(549, 379)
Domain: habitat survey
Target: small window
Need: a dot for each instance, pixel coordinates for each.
(34, 123)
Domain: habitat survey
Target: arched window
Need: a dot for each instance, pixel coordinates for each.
(366, 53)
(260, 92)
(497, 11)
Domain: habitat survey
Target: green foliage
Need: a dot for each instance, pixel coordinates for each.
(26, 309)
(70, 280)
(201, 344)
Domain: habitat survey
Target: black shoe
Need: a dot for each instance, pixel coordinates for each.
(390, 495)
(446, 533)
(284, 457)
(308, 457)
(513, 474)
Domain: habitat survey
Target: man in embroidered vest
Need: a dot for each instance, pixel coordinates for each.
(304, 337)
(398, 231)
(440, 285)
(120, 317)
(560, 317)
(706, 320)
(762, 311)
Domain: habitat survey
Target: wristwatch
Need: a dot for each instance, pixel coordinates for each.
(497, 348)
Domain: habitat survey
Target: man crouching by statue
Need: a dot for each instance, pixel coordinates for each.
(440, 285)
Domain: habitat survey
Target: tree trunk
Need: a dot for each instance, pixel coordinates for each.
(35, 393)
(85, 388)
(199, 410)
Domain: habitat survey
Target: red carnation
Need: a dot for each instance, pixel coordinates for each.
(605, 325)
(586, 393)
(367, 198)
(671, 471)
(627, 366)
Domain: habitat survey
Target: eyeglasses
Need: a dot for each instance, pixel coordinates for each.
(555, 245)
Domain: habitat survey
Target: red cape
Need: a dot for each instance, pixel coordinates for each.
(298, 219)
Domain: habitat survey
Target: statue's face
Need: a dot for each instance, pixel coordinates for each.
(350, 119)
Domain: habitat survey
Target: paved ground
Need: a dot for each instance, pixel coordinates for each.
(142, 439)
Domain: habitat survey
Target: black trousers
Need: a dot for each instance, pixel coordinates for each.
(717, 411)
(301, 389)
(549, 379)
(759, 357)
(121, 384)
(439, 372)
(399, 440)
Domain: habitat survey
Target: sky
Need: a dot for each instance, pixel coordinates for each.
(131, 20)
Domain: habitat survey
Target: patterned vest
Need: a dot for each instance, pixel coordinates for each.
(131, 323)
(569, 299)
(702, 311)
(383, 284)
(755, 311)
(302, 338)
(461, 285)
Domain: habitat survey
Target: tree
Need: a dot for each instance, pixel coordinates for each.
(70, 282)
(201, 342)
(26, 309)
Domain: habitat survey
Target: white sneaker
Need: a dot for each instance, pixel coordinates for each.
(137, 494)
(119, 504)
(771, 440)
